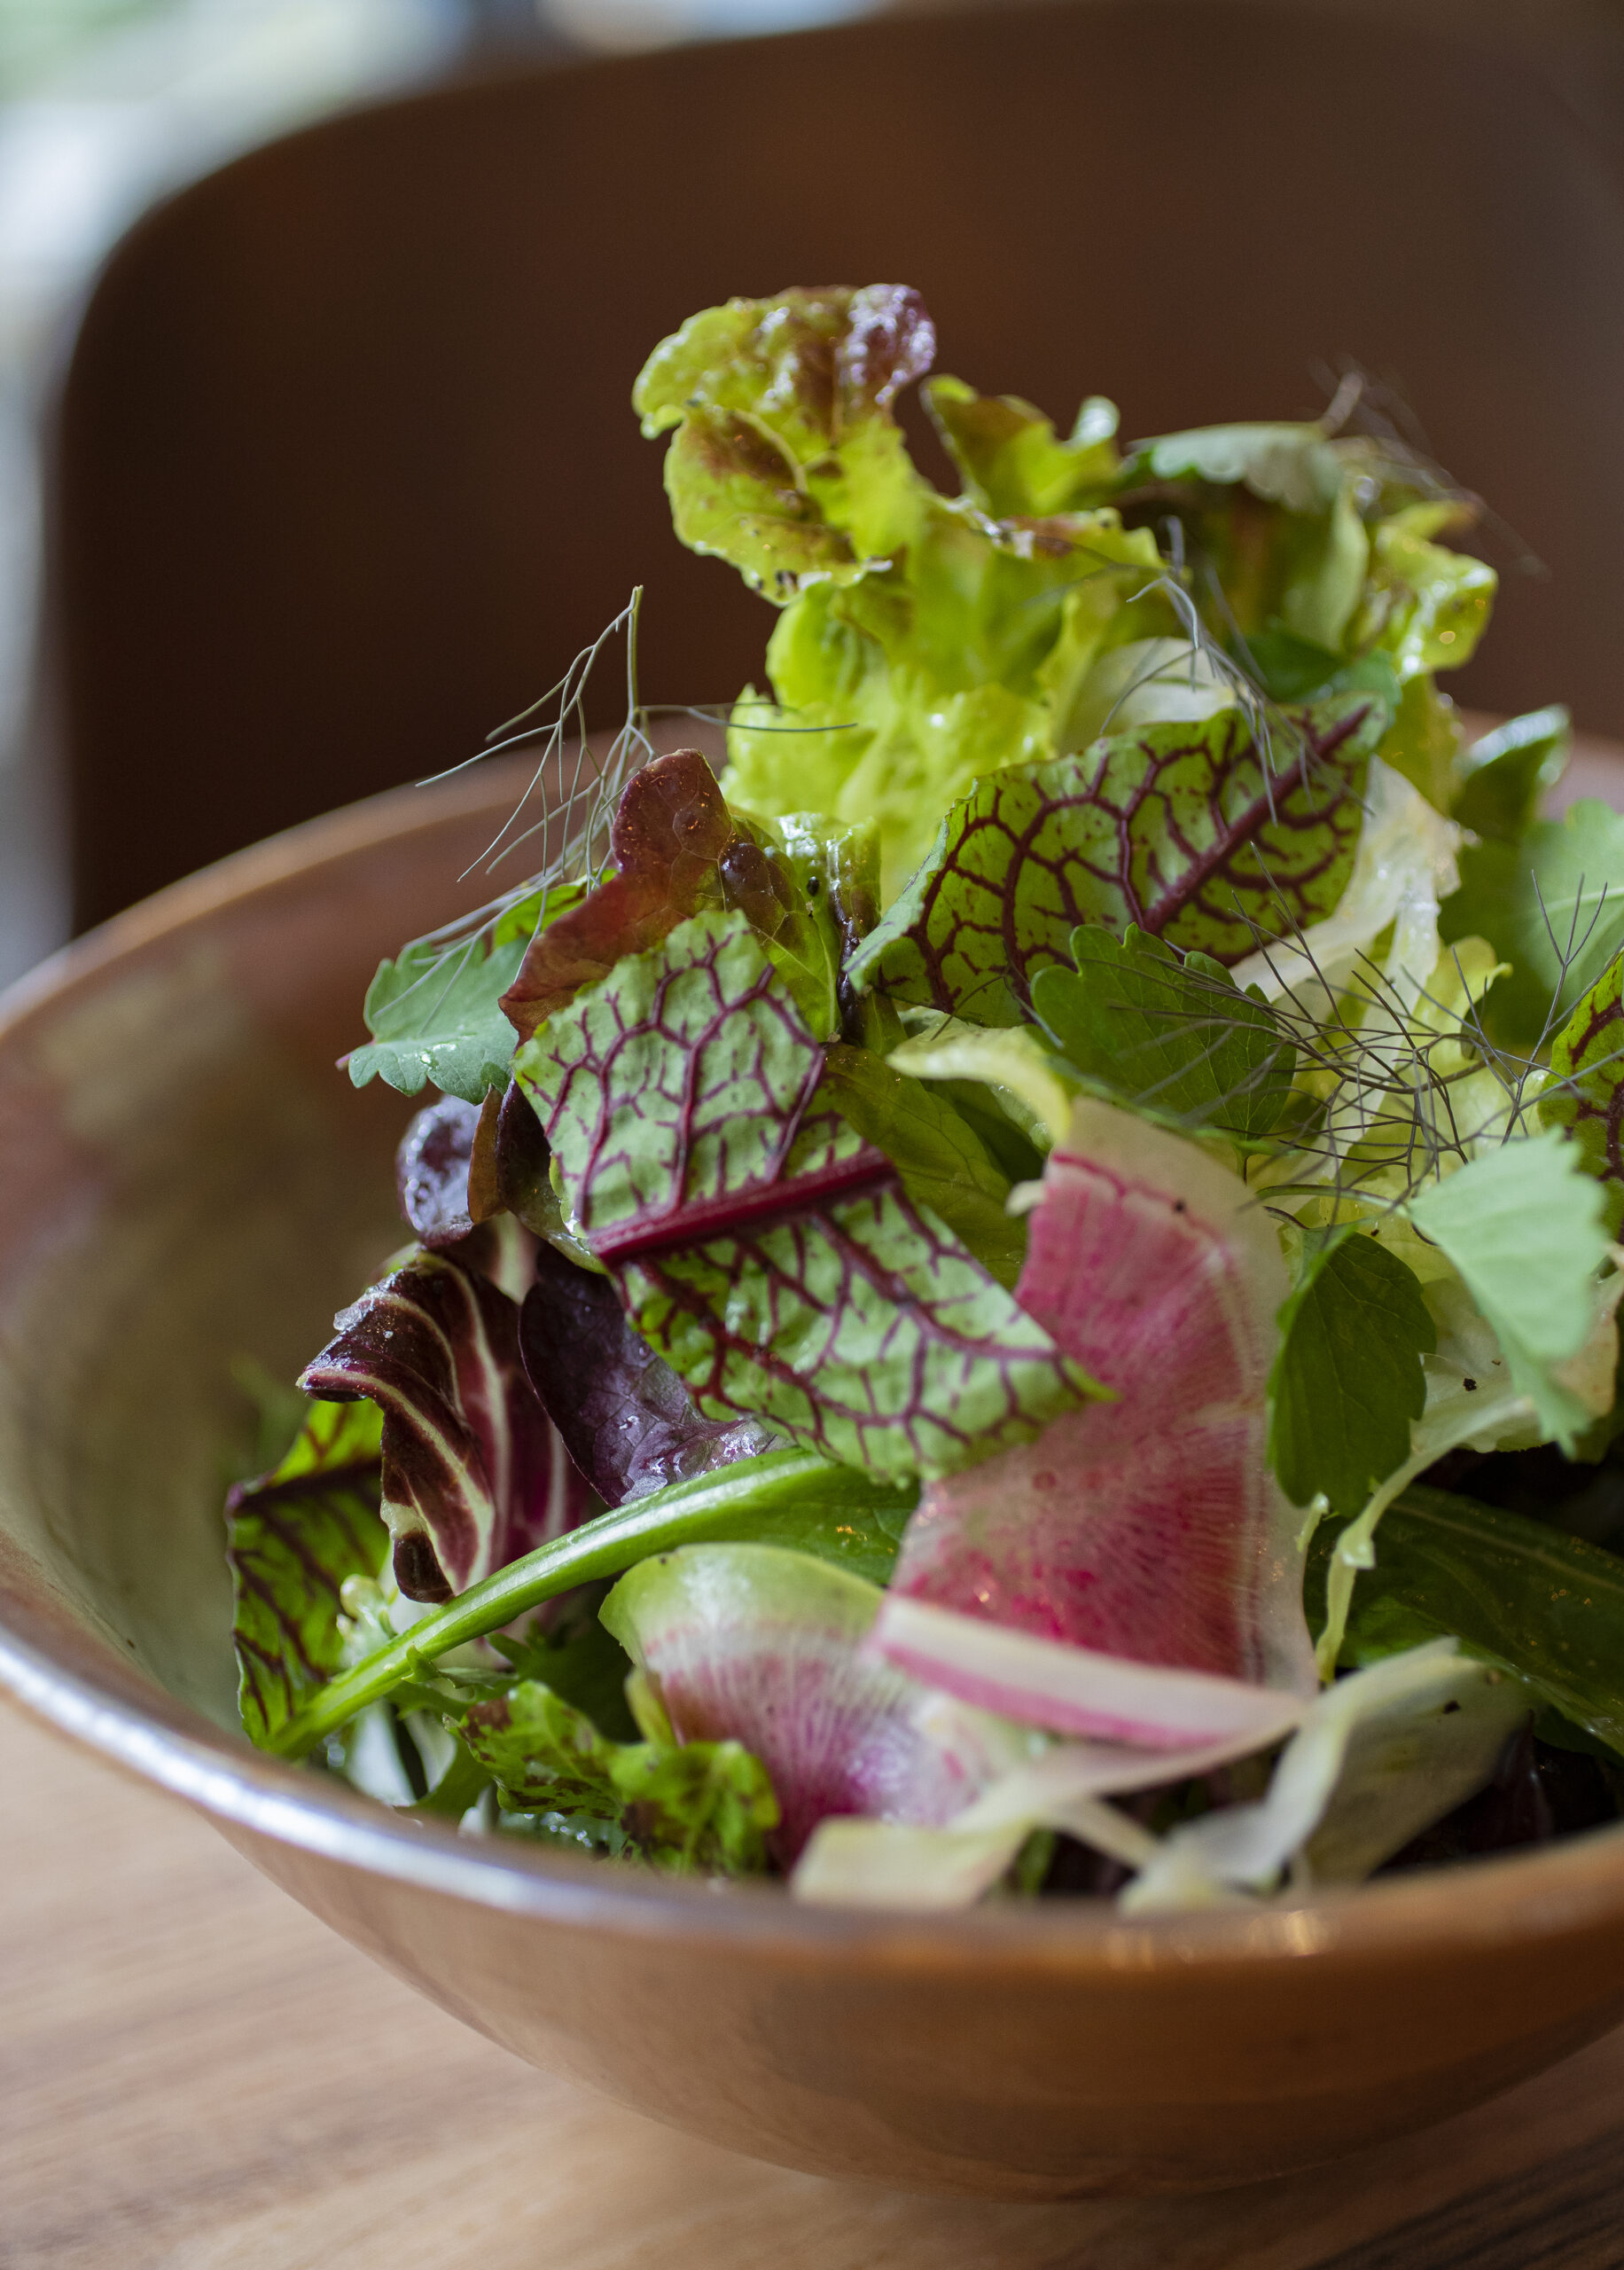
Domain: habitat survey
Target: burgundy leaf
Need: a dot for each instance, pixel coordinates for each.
(626, 1418)
(433, 1169)
(473, 1473)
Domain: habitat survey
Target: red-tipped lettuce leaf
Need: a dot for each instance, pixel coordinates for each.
(294, 1535)
(626, 1419)
(1183, 830)
(1150, 1528)
(473, 1474)
(762, 1245)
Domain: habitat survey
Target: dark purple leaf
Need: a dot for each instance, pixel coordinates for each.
(626, 1418)
(473, 1473)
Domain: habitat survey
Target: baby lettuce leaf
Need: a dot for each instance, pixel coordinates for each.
(435, 1013)
(1585, 1097)
(788, 458)
(1525, 1597)
(1552, 905)
(1190, 832)
(293, 1536)
(1178, 1036)
(474, 1474)
(765, 1249)
(1524, 1226)
(941, 1161)
(1503, 777)
(793, 1497)
(702, 1808)
(1348, 1380)
(625, 1417)
(1012, 463)
(1424, 606)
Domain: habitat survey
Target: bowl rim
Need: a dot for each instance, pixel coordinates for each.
(1550, 1892)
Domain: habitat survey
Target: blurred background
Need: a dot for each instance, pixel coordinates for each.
(317, 320)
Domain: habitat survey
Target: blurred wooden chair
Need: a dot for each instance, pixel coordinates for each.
(342, 470)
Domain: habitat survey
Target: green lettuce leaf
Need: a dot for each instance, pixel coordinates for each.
(293, 1539)
(1427, 607)
(1177, 1035)
(1504, 776)
(1523, 1225)
(1348, 1379)
(1552, 905)
(1187, 831)
(704, 1808)
(1011, 462)
(1586, 1096)
(762, 1247)
(1516, 1593)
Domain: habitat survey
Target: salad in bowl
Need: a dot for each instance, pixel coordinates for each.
(1016, 1296)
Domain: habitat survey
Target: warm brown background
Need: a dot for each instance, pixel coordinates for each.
(195, 2075)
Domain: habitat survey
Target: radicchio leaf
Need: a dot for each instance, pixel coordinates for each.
(294, 1536)
(1149, 1527)
(433, 1173)
(626, 1419)
(764, 1248)
(473, 1474)
(1183, 829)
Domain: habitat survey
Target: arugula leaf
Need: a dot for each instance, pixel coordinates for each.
(1523, 1225)
(625, 1417)
(763, 1249)
(1177, 1035)
(1585, 1097)
(1552, 905)
(705, 1808)
(942, 1161)
(293, 1536)
(1348, 1380)
(1516, 1593)
(1186, 831)
(1008, 456)
(473, 1473)
(1505, 774)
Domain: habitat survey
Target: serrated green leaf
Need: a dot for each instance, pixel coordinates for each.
(1516, 1593)
(1009, 456)
(1348, 1380)
(1182, 830)
(293, 1539)
(706, 1807)
(1178, 1037)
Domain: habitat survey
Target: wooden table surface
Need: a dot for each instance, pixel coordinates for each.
(195, 2075)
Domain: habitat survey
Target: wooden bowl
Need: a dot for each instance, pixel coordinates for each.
(184, 1179)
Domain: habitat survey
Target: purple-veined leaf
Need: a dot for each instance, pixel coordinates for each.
(626, 1419)
(761, 1245)
(473, 1472)
(293, 1535)
(1187, 831)
(1149, 1527)
(1586, 1094)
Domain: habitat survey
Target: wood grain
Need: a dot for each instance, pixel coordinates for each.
(194, 2075)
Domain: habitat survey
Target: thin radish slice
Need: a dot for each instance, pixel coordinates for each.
(1144, 1532)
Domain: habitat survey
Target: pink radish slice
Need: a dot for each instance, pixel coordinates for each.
(1149, 1529)
(757, 1644)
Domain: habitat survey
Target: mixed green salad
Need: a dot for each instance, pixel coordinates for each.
(1019, 1294)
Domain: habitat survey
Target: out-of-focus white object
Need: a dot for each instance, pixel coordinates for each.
(622, 24)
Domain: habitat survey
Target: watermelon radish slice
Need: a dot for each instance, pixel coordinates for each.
(757, 1644)
(1137, 1564)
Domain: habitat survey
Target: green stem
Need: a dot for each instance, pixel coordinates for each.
(687, 1514)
